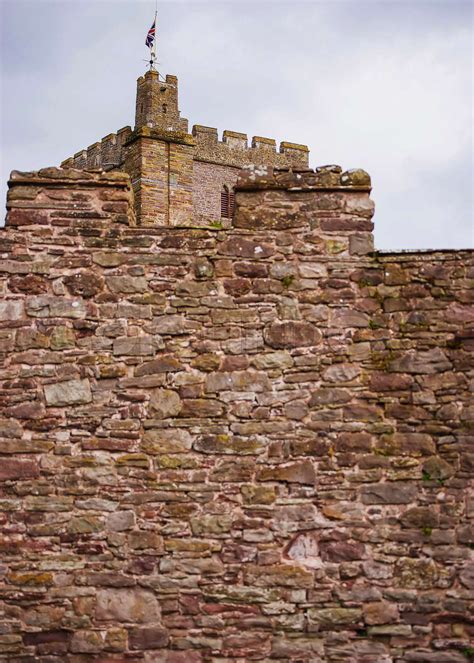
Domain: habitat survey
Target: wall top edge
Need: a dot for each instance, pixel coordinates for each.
(74, 176)
(293, 179)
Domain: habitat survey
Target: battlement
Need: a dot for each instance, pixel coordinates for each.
(233, 150)
(106, 153)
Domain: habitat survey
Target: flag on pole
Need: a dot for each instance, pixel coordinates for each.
(150, 38)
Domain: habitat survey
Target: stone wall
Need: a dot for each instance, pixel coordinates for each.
(208, 182)
(251, 444)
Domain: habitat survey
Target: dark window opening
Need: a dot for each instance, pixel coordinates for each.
(227, 202)
(165, 108)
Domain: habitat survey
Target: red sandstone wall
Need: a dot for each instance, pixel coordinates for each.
(240, 445)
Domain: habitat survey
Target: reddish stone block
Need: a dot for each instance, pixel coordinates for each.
(151, 637)
(12, 468)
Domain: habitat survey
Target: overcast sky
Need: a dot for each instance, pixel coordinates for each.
(385, 85)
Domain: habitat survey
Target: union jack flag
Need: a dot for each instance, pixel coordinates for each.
(150, 38)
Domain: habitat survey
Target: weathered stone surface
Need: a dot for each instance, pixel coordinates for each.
(13, 468)
(245, 248)
(145, 540)
(416, 573)
(211, 524)
(293, 334)
(305, 549)
(258, 494)
(329, 396)
(237, 381)
(127, 605)
(71, 392)
(406, 444)
(282, 575)
(466, 575)
(355, 177)
(84, 525)
(396, 492)
(350, 318)
(121, 521)
(126, 284)
(201, 407)
(10, 428)
(311, 648)
(107, 258)
(273, 360)
(150, 637)
(361, 244)
(426, 656)
(134, 346)
(164, 403)
(424, 362)
(84, 284)
(166, 441)
(437, 468)
(329, 617)
(420, 517)
(162, 364)
(62, 338)
(342, 551)
(341, 373)
(11, 309)
(380, 613)
(300, 472)
(227, 444)
(87, 642)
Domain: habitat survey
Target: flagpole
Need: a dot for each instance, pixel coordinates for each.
(154, 42)
(151, 40)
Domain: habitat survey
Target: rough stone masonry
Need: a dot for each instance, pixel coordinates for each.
(251, 444)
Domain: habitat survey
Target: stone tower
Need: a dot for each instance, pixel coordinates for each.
(157, 103)
(179, 178)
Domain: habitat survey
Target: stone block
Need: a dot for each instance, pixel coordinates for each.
(87, 642)
(166, 441)
(162, 364)
(132, 605)
(237, 381)
(146, 638)
(292, 334)
(134, 346)
(393, 492)
(164, 403)
(281, 575)
(70, 392)
(331, 617)
(13, 468)
(209, 525)
(120, 521)
(302, 472)
(126, 285)
(380, 612)
(84, 284)
(13, 309)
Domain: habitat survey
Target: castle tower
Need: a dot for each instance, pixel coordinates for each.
(157, 103)
(159, 154)
(178, 178)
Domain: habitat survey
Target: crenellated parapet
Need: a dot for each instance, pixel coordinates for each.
(106, 154)
(234, 149)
